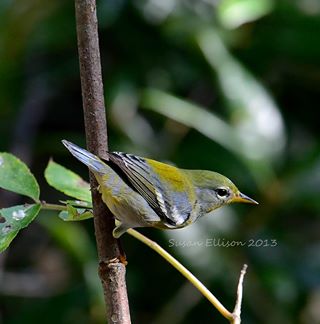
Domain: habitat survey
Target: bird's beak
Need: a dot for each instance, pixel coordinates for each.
(242, 198)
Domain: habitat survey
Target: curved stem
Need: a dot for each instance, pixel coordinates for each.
(185, 272)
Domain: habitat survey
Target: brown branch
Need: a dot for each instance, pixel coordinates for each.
(111, 269)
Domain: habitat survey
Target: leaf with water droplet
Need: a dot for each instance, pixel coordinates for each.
(15, 218)
(18, 214)
(15, 176)
(67, 181)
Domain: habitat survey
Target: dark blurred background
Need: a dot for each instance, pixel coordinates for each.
(231, 86)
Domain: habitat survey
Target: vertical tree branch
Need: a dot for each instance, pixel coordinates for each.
(111, 269)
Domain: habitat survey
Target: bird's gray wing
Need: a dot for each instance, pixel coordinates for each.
(136, 172)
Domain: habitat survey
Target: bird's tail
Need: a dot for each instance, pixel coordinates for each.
(89, 159)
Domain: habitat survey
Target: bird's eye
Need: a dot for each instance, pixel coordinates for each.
(222, 192)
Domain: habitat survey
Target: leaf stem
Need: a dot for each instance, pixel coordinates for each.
(47, 206)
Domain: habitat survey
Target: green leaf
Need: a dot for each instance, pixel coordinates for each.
(67, 181)
(234, 13)
(192, 115)
(16, 176)
(262, 138)
(75, 214)
(13, 219)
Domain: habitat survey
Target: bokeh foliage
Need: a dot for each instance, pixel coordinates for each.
(230, 86)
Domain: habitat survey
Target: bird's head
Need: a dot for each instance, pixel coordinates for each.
(215, 190)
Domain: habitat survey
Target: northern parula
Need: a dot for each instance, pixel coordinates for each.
(142, 192)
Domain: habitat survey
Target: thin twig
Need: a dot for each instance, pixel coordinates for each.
(111, 269)
(237, 308)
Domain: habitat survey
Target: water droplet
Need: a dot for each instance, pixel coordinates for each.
(18, 215)
(81, 203)
(6, 229)
(1, 160)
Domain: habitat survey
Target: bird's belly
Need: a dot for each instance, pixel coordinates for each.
(129, 208)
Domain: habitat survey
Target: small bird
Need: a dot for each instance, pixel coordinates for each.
(141, 192)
